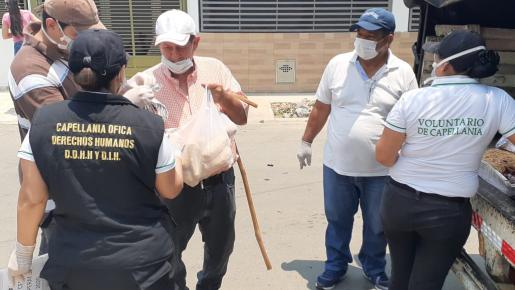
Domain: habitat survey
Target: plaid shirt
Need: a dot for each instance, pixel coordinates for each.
(182, 106)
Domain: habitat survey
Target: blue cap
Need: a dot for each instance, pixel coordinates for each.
(374, 19)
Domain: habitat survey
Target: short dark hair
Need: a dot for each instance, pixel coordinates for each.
(385, 32)
(45, 16)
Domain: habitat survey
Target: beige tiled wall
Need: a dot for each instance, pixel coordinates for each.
(251, 56)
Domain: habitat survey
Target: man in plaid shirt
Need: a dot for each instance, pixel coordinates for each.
(182, 78)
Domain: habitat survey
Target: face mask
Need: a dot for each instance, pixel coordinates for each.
(179, 67)
(454, 56)
(366, 49)
(65, 38)
(459, 54)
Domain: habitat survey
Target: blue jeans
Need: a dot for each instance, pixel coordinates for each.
(342, 195)
(17, 46)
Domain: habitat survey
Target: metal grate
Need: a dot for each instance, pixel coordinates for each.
(283, 15)
(137, 31)
(414, 19)
(22, 4)
(285, 71)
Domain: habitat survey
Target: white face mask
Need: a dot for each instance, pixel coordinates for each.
(445, 60)
(366, 49)
(179, 67)
(65, 38)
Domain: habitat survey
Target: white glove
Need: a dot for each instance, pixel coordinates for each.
(20, 261)
(304, 154)
(140, 96)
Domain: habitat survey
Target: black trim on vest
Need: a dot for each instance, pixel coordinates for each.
(97, 97)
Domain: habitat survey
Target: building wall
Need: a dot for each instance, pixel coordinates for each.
(252, 56)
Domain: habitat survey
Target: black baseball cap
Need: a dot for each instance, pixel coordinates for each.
(99, 49)
(476, 61)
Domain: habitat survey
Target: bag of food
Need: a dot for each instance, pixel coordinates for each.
(31, 281)
(205, 142)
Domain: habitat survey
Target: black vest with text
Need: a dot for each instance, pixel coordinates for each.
(97, 154)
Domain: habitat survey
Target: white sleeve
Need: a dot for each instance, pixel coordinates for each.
(412, 80)
(166, 157)
(396, 119)
(25, 151)
(323, 93)
(507, 125)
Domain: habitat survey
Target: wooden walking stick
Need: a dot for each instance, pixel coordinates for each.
(257, 230)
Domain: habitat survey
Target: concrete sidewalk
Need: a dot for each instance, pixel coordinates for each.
(7, 113)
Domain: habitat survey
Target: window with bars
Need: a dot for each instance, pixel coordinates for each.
(283, 15)
(414, 19)
(135, 20)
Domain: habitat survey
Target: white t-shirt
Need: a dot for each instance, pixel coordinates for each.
(165, 159)
(359, 106)
(448, 126)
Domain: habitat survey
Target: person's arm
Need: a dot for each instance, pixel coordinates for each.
(31, 203)
(5, 32)
(317, 119)
(388, 146)
(31, 207)
(169, 181)
(232, 107)
(29, 100)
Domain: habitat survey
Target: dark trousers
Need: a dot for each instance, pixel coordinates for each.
(425, 233)
(211, 206)
(47, 228)
(82, 279)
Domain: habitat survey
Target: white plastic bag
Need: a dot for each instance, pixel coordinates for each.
(206, 143)
(31, 281)
(505, 144)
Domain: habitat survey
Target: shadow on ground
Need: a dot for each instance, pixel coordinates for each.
(310, 269)
(354, 280)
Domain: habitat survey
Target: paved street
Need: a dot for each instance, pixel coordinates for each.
(288, 201)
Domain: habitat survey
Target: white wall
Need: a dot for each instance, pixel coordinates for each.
(193, 11)
(401, 13)
(7, 54)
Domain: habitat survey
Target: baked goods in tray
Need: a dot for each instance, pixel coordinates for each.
(502, 161)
